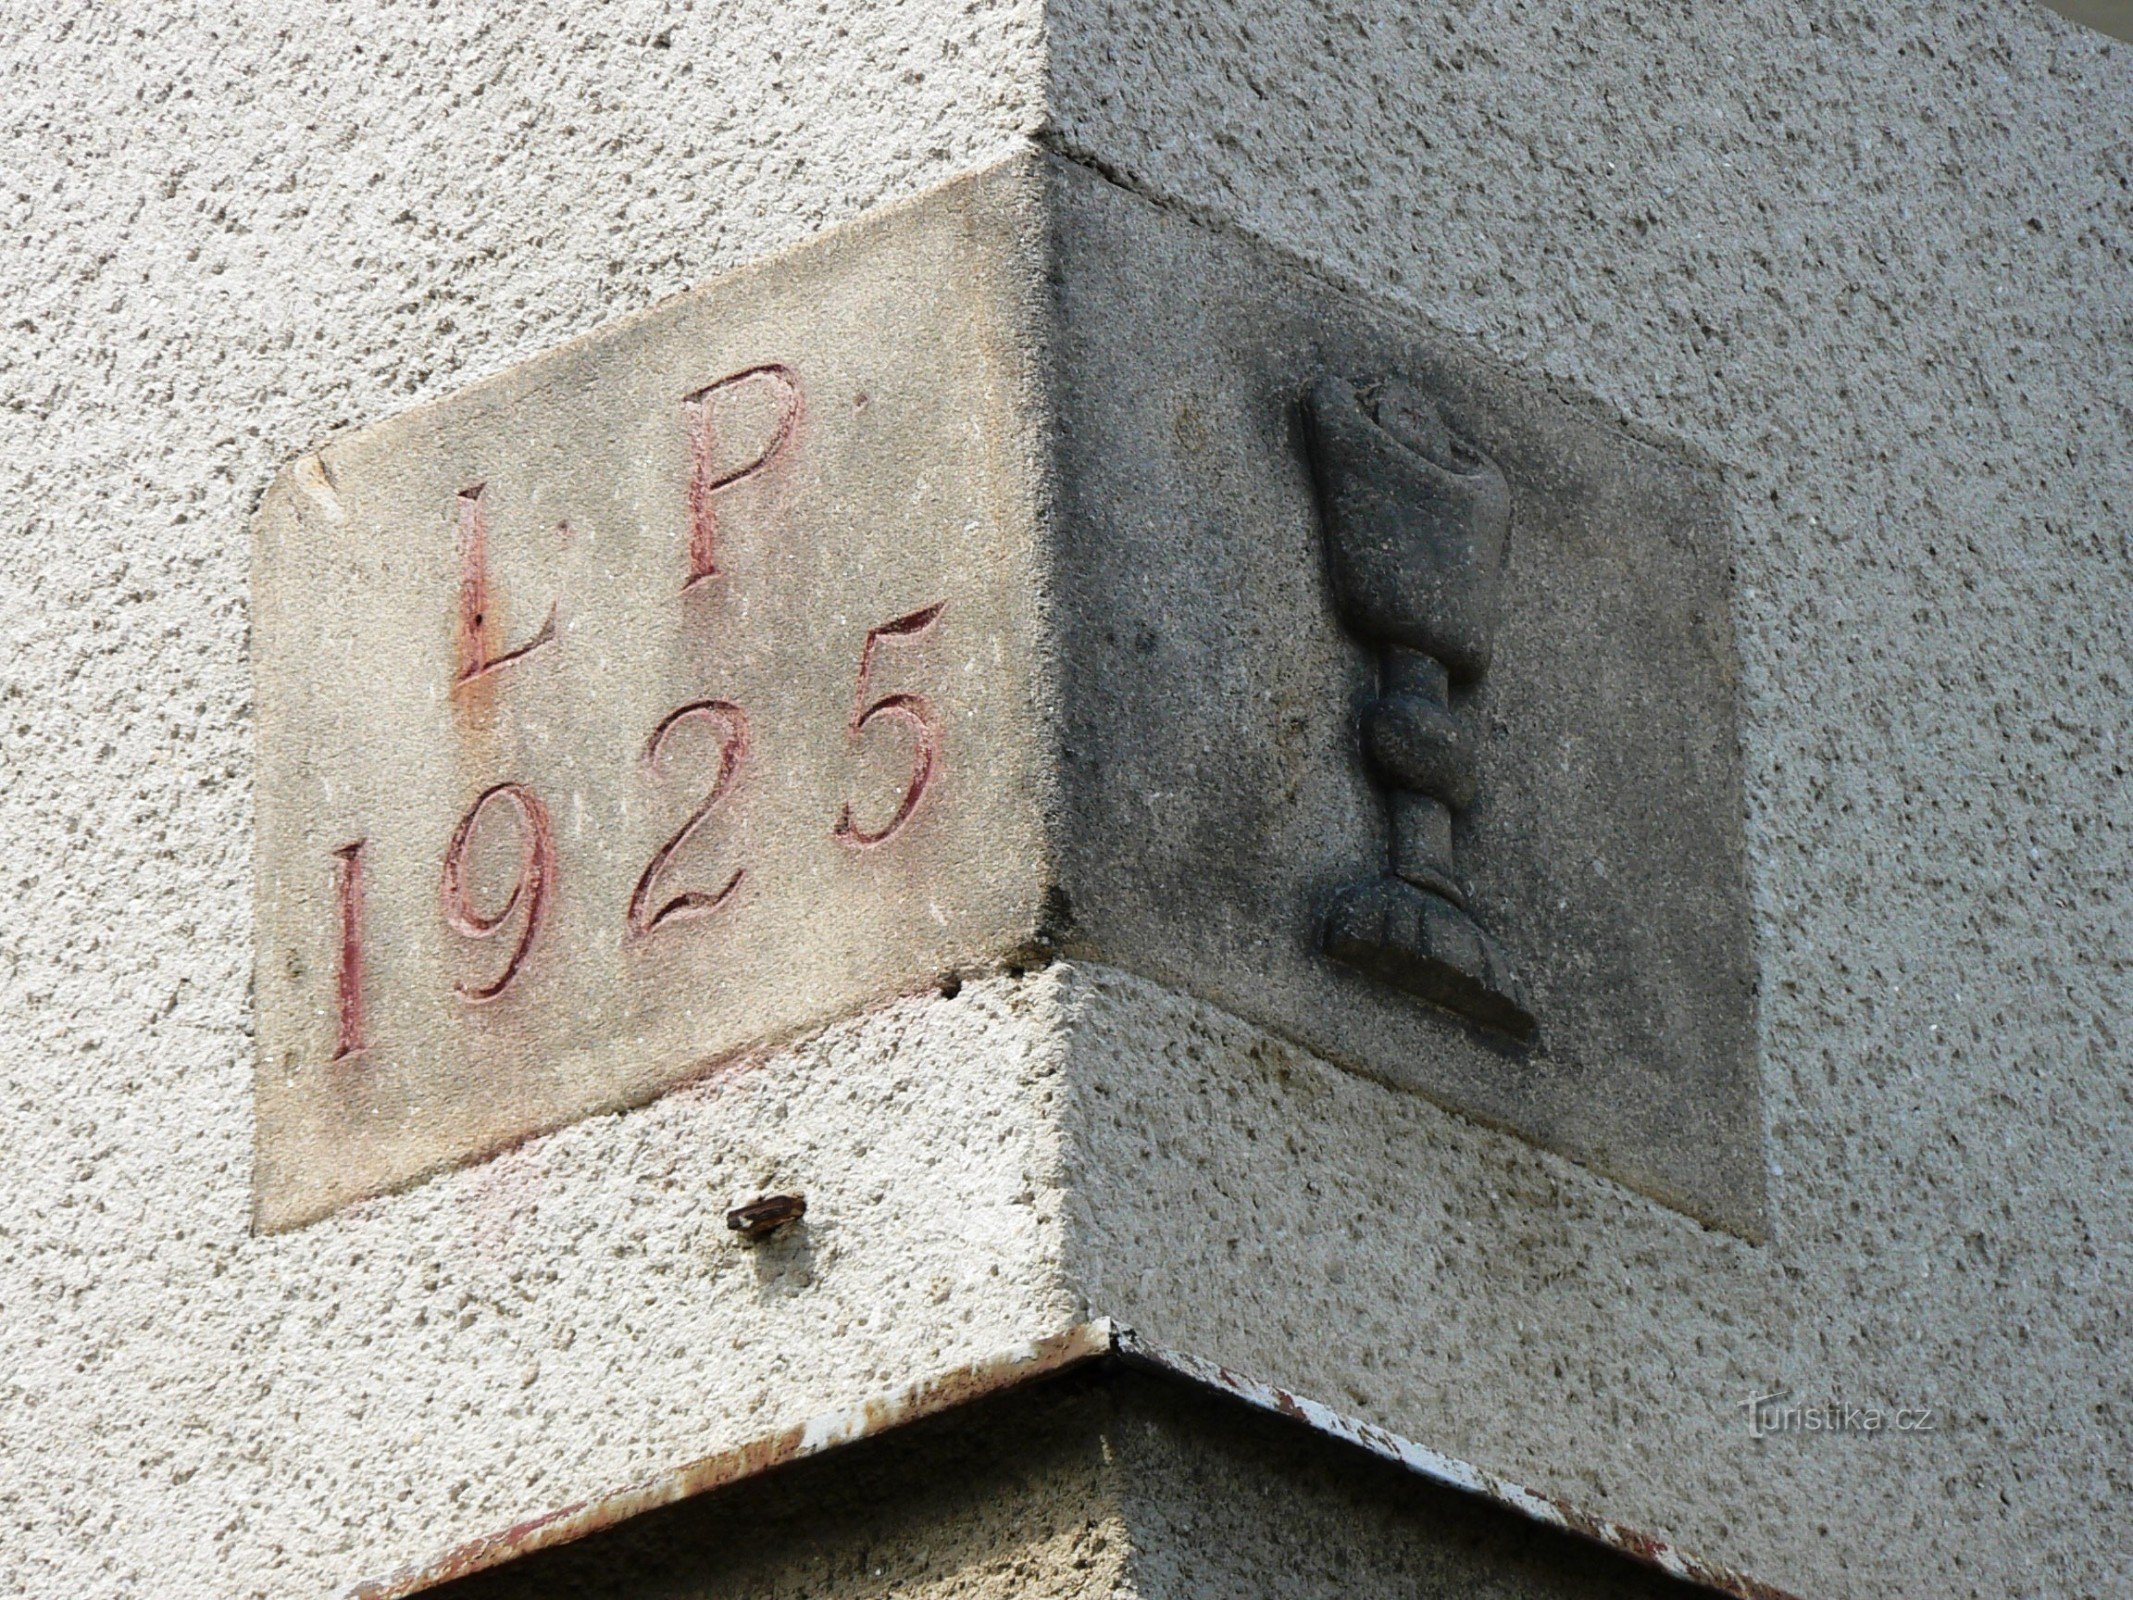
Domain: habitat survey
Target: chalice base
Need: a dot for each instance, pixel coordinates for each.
(1422, 943)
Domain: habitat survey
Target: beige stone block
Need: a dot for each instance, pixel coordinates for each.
(991, 579)
(661, 698)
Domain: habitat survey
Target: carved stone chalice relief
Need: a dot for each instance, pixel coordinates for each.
(1416, 525)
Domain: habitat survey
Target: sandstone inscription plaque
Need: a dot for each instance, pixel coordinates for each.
(1022, 571)
(660, 697)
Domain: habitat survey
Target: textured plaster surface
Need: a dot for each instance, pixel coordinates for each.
(1095, 1487)
(280, 1414)
(1870, 260)
(229, 231)
(1234, 1196)
(1874, 261)
(1217, 1503)
(1010, 1499)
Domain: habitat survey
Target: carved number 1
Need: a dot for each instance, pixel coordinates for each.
(348, 978)
(913, 710)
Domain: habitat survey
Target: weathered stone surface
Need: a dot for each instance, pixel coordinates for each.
(761, 556)
(965, 576)
(1214, 697)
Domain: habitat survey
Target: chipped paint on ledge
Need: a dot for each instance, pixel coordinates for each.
(1079, 1346)
(929, 1397)
(1443, 1470)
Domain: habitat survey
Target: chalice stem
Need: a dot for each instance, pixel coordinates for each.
(1416, 522)
(1421, 810)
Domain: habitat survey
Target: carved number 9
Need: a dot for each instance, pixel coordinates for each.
(913, 710)
(691, 902)
(536, 872)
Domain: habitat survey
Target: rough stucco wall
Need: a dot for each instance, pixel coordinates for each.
(1015, 1498)
(1235, 1196)
(223, 1414)
(1219, 1502)
(1097, 1486)
(229, 230)
(1874, 261)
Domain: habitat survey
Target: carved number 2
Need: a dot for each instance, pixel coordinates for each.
(911, 709)
(691, 903)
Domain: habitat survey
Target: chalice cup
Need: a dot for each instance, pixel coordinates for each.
(1416, 522)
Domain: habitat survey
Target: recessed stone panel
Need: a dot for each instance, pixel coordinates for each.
(659, 698)
(1235, 806)
(1025, 569)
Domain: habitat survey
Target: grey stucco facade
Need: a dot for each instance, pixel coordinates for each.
(1868, 264)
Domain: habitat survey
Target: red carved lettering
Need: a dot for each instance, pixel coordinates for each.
(348, 978)
(536, 873)
(705, 478)
(476, 657)
(913, 710)
(691, 903)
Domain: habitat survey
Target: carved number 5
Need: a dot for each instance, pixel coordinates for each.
(913, 710)
(691, 902)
